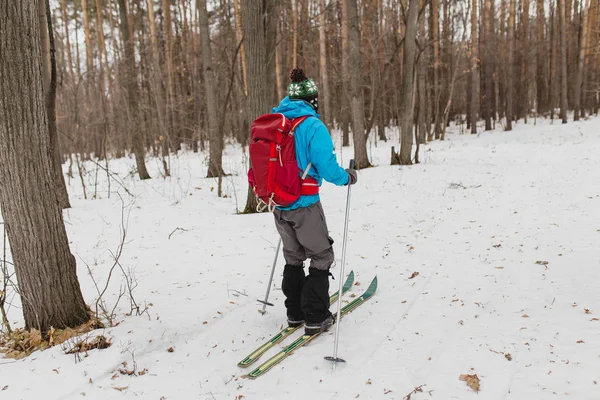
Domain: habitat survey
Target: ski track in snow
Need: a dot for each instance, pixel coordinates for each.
(473, 219)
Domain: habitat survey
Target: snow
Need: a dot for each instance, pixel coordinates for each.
(473, 220)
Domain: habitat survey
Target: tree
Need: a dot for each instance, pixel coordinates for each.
(253, 14)
(581, 64)
(215, 168)
(45, 268)
(132, 93)
(49, 72)
(563, 61)
(355, 88)
(407, 88)
(510, 66)
(474, 69)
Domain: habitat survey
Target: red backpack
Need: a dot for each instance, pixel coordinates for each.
(274, 174)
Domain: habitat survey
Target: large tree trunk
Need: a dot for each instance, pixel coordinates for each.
(132, 94)
(215, 168)
(487, 64)
(171, 111)
(581, 63)
(239, 34)
(253, 14)
(49, 82)
(46, 269)
(407, 87)
(474, 69)
(435, 12)
(325, 110)
(510, 66)
(355, 88)
(563, 61)
(540, 79)
(524, 85)
(345, 117)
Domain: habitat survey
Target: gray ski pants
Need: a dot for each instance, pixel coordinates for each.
(304, 235)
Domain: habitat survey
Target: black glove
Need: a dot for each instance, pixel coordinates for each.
(352, 176)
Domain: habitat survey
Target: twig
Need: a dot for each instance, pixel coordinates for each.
(112, 175)
(177, 229)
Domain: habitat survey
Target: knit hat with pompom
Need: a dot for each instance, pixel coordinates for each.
(303, 88)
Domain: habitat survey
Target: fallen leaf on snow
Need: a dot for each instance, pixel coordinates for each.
(368, 382)
(580, 341)
(120, 388)
(205, 322)
(6, 387)
(499, 267)
(413, 275)
(471, 380)
(170, 349)
(594, 319)
(357, 283)
(587, 310)
(55, 370)
(386, 391)
(524, 316)
(541, 262)
(508, 356)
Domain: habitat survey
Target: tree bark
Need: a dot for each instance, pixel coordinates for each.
(563, 61)
(510, 66)
(49, 83)
(45, 268)
(540, 79)
(474, 68)
(581, 63)
(215, 168)
(435, 12)
(132, 93)
(257, 103)
(407, 87)
(359, 135)
(325, 110)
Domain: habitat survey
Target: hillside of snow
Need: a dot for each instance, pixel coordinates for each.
(487, 255)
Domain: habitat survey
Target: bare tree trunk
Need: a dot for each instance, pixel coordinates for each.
(510, 66)
(563, 61)
(46, 269)
(407, 88)
(345, 119)
(474, 69)
(166, 5)
(540, 81)
(435, 12)
(487, 63)
(356, 94)
(215, 168)
(239, 33)
(49, 85)
(132, 94)
(157, 88)
(581, 64)
(422, 88)
(254, 36)
(325, 94)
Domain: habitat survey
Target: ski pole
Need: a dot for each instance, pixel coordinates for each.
(335, 358)
(265, 302)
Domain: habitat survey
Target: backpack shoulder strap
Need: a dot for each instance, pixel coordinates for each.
(298, 121)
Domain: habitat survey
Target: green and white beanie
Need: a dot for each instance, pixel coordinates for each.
(303, 88)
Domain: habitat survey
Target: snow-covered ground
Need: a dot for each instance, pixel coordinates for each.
(503, 229)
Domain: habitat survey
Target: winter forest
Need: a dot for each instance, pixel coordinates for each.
(134, 249)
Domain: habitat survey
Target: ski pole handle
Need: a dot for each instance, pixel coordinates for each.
(351, 164)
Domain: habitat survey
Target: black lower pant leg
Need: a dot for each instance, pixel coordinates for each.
(292, 285)
(315, 296)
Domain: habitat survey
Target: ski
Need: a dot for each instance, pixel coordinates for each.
(304, 339)
(287, 331)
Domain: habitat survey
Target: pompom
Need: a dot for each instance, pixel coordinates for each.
(297, 75)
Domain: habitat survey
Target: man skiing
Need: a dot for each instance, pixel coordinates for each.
(302, 224)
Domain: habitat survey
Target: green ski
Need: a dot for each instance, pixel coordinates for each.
(287, 331)
(304, 339)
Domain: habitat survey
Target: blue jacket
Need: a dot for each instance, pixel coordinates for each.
(313, 144)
